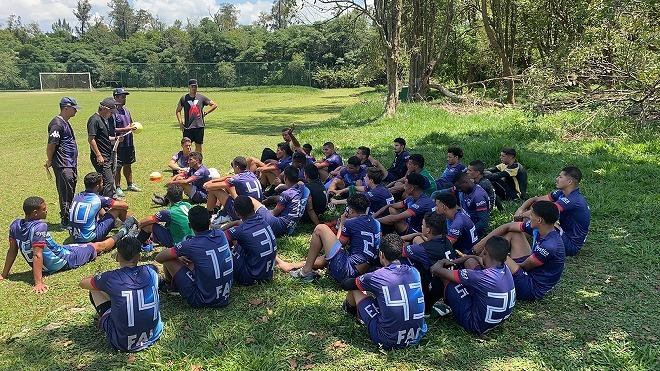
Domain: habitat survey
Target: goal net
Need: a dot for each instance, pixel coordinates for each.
(65, 80)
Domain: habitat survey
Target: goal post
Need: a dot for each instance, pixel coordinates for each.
(65, 80)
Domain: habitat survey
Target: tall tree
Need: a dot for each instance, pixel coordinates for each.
(61, 25)
(83, 14)
(122, 17)
(500, 19)
(283, 13)
(226, 18)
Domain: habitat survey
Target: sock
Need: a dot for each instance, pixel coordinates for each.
(349, 308)
(143, 236)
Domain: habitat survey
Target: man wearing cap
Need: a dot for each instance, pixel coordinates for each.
(101, 142)
(121, 121)
(62, 155)
(192, 124)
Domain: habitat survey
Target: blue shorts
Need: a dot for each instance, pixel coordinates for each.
(277, 224)
(521, 259)
(460, 302)
(79, 255)
(184, 282)
(524, 285)
(369, 316)
(162, 235)
(339, 263)
(569, 247)
(389, 178)
(198, 196)
(229, 208)
(241, 274)
(104, 226)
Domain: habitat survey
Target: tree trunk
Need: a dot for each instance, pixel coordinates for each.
(507, 71)
(392, 82)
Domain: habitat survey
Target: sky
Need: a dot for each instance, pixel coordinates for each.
(47, 12)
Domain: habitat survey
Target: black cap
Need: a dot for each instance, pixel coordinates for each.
(110, 104)
(69, 102)
(192, 82)
(119, 91)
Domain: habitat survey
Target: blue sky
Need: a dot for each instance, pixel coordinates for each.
(46, 12)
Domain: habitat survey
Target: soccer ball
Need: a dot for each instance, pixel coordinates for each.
(137, 126)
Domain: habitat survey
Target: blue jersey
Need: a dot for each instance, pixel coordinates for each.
(378, 197)
(123, 119)
(35, 233)
(209, 252)
(82, 216)
(283, 163)
(418, 208)
(350, 179)
(549, 252)
(398, 167)
(398, 291)
(492, 293)
(363, 234)
(333, 161)
(423, 256)
(294, 201)
(180, 159)
(258, 246)
(60, 134)
(476, 204)
(200, 176)
(461, 232)
(246, 184)
(450, 172)
(574, 215)
(135, 312)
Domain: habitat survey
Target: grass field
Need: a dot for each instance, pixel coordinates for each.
(604, 313)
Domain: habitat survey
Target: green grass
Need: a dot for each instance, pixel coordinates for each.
(604, 313)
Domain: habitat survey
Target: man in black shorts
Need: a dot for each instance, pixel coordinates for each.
(192, 104)
(101, 140)
(122, 122)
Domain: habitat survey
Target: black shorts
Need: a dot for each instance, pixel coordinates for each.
(196, 135)
(125, 155)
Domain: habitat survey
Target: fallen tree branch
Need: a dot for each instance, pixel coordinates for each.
(464, 99)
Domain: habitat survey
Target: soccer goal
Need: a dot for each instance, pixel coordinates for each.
(65, 80)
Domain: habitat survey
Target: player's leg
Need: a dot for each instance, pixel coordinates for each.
(397, 188)
(118, 176)
(403, 228)
(519, 244)
(118, 214)
(324, 174)
(336, 185)
(322, 240)
(172, 267)
(254, 163)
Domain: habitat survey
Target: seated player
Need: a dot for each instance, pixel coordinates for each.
(536, 269)
(482, 297)
(574, 213)
(350, 176)
(509, 178)
(179, 161)
(358, 229)
(414, 165)
(376, 192)
(330, 161)
(290, 207)
(255, 247)
(394, 316)
(31, 238)
(199, 268)
(461, 232)
(128, 309)
(475, 171)
(89, 221)
(317, 194)
(398, 168)
(406, 216)
(363, 153)
(453, 168)
(175, 217)
(192, 181)
(268, 155)
(224, 190)
(473, 200)
(430, 246)
(269, 171)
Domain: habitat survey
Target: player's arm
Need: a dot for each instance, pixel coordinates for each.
(277, 210)
(439, 269)
(499, 231)
(530, 263)
(386, 207)
(294, 140)
(310, 211)
(527, 205)
(95, 149)
(216, 184)
(321, 164)
(212, 107)
(37, 269)
(395, 218)
(179, 118)
(411, 236)
(86, 283)
(10, 259)
(147, 221)
(50, 151)
(119, 205)
(166, 255)
(482, 224)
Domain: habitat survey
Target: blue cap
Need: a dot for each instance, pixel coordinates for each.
(69, 102)
(119, 91)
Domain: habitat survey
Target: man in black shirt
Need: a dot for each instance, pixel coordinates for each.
(398, 168)
(318, 193)
(62, 155)
(101, 143)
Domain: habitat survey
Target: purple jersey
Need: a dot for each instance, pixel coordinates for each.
(134, 319)
(200, 177)
(60, 134)
(378, 197)
(461, 232)
(398, 291)
(293, 200)
(246, 184)
(423, 256)
(363, 233)
(476, 204)
(123, 119)
(258, 247)
(283, 163)
(574, 215)
(350, 179)
(450, 173)
(418, 208)
(492, 294)
(549, 252)
(180, 159)
(35, 233)
(333, 161)
(209, 252)
(82, 216)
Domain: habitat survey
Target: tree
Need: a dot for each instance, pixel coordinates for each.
(283, 13)
(226, 18)
(500, 19)
(123, 18)
(83, 14)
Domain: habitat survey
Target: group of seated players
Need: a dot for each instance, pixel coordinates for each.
(419, 245)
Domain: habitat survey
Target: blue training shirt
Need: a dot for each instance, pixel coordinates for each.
(35, 233)
(82, 216)
(549, 252)
(257, 246)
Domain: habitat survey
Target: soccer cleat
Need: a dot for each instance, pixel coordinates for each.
(159, 200)
(147, 246)
(133, 232)
(220, 219)
(165, 287)
(349, 308)
(128, 224)
(440, 309)
(307, 277)
(133, 188)
(120, 192)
